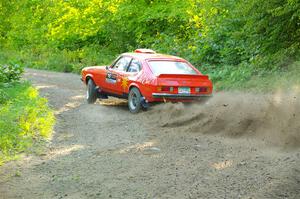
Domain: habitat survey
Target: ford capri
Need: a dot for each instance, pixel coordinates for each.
(145, 76)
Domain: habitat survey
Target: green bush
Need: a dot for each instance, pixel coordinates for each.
(10, 73)
(25, 119)
(3, 97)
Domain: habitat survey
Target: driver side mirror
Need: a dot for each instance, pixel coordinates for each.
(106, 67)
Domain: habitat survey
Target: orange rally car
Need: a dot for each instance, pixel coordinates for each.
(145, 76)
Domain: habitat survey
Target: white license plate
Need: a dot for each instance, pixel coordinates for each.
(184, 90)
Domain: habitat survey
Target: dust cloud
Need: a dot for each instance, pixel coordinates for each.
(273, 118)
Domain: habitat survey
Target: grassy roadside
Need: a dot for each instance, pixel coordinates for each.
(58, 60)
(25, 119)
(245, 78)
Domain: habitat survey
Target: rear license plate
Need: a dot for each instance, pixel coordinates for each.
(184, 90)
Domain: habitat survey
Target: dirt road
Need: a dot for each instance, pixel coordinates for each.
(234, 146)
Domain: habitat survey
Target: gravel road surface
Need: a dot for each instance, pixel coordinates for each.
(233, 146)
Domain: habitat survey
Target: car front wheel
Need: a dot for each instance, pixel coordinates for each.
(134, 100)
(91, 93)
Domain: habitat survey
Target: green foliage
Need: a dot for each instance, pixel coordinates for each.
(3, 97)
(24, 119)
(225, 38)
(10, 73)
(24, 116)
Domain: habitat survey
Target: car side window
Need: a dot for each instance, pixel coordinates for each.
(135, 66)
(122, 64)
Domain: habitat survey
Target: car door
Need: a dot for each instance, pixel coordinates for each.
(115, 73)
(130, 75)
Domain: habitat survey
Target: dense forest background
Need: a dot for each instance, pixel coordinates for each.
(232, 40)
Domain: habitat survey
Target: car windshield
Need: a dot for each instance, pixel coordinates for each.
(171, 67)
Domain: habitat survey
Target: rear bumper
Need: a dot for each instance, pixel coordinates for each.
(179, 96)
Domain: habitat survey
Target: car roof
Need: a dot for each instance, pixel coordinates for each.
(148, 56)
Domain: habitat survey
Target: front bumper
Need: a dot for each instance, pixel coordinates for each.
(179, 96)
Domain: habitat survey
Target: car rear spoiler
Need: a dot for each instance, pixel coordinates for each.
(183, 76)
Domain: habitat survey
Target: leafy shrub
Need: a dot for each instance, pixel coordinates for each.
(25, 119)
(3, 96)
(10, 73)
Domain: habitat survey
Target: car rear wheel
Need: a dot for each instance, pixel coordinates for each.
(134, 100)
(91, 93)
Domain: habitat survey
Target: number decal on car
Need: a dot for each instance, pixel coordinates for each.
(111, 78)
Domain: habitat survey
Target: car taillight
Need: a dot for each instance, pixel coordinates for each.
(201, 89)
(166, 88)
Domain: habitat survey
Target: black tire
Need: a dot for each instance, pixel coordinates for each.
(134, 100)
(91, 92)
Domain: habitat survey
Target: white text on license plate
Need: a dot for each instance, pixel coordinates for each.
(184, 90)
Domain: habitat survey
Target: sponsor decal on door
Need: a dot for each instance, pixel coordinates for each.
(111, 78)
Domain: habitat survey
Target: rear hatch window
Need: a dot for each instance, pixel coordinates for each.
(171, 67)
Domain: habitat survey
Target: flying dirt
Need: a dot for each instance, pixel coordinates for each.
(236, 145)
(274, 118)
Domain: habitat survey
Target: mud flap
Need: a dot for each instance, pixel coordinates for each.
(144, 103)
(100, 95)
